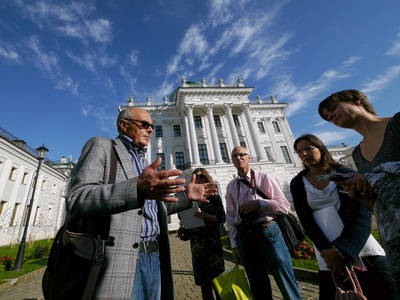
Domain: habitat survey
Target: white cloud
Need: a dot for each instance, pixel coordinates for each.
(72, 19)
(46, 62)
(67, 84)
(334, 137)
(300, 97)
(382, 81)
(9, 54)
(395, 49)
(87, 60)
(134, 58)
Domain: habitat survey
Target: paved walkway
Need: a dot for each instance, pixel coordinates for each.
(30, 287)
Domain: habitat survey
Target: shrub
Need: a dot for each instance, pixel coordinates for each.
(40, 251)
(305, 250)
(6, 262)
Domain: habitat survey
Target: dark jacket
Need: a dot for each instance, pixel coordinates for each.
(356, 219)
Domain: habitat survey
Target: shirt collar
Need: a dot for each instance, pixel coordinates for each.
(131, 145)
(248, 176)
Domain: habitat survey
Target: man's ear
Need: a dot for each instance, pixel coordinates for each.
(123, 125)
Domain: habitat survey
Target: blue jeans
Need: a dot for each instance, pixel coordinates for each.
(147, 284)
(262, 251)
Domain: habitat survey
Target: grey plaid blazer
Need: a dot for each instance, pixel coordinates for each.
(95, 198)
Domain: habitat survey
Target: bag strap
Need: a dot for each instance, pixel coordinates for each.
(353, 280)
(245, 182)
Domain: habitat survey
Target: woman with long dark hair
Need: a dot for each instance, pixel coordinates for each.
(311, 196)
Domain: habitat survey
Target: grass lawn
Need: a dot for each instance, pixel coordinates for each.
(29, 264)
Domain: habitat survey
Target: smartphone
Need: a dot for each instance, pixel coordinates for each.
(339, 177)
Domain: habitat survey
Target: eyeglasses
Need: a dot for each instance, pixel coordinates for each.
(143, 124)
(239, 154)
(200, 176)
(308, 149)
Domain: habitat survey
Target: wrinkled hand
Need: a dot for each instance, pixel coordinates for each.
(334, 261)
(249, 206)
(156, 185)
(200, 191)
(236, 255)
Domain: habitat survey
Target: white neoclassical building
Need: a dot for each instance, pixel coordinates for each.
(18, 166)
(197, 126)
(201, 123)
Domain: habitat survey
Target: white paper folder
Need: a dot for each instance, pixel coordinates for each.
(331, 225)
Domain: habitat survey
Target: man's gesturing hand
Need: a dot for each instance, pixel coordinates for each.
(200, 191)
(157, 185)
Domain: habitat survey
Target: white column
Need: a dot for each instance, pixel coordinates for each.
(261, 155)
(167, 133)
(232, 127)
(187, 139)
(271, 133)
(193, 140)
(282, 122)
(214, 135)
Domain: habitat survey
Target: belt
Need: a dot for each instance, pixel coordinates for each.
(256, 226)
(148, 247)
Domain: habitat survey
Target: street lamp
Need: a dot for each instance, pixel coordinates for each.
(19, 261)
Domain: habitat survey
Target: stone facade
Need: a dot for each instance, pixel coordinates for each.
(18, 166)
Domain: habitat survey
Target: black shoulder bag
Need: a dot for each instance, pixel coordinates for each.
(292, 232)
(76, 258)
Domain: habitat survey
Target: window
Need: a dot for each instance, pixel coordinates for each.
(224, 152)
(179, 160)
(25, 178)
(50, 215)
(286, 155)
(236, 120)
(14, 213)
(177, 130)
(44, 185)
(26, 215)
(276, 126)
(2, 203)
(162, 166)
(159, 131)
(203, 154)
(54, 189)
(36, 215)
(217, 121)
(197, 122)
(268, 152)
(261, 127)
(243, 144)
(13, 173)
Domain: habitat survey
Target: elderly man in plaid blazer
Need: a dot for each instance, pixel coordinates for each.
(138, 264)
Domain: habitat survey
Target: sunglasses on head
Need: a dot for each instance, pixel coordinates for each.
(200, 176)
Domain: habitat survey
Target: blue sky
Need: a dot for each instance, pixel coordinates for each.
(65, 66)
